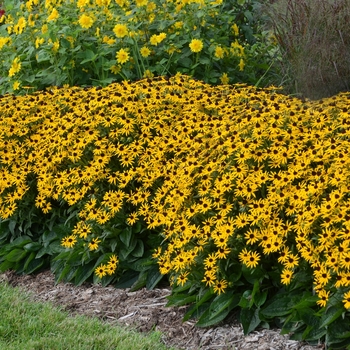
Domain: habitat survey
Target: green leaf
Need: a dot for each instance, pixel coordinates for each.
(32, 247)
(43, 56)
(28, 260)
(260, 298)
(153, 277)
(83, 273)
(180, 299)
(6, 265)
(206, 296)
(249, 319)
(279, 307)
(89, 56)
(207, 320)
(140, 282)
(330, 315)
(127, 279)
(219, 309)
(16, 255)
(253, 275)
(125, 236)
(139, 249)
(12, 225)
(35, 265)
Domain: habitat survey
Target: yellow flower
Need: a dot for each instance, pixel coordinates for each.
(145, 51)
(120, 30)
(324, 296)
(44, 29)
(16, 85)
(286, 276)
(115, 69)
(101, 271)
(140, 3)
(148, 74)
(346, 300)
(220, 286)
(93, 245)
(250, 259)
(122, 56)
(15, 68)
(224, 79)
(53, 16)
(19, 27)
(235, 29)
(38, 42)
(241, 64)
(219, 52)
(154, 40)
(86, 21)
(3, 42)
(82, 3)
(69, 241)
(182, 279)
(196, 45)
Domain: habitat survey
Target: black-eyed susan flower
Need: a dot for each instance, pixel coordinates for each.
(220, 286)
(101, 271)
(69, 241)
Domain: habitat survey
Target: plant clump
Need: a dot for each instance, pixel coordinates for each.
(54, 42)
(235, 192)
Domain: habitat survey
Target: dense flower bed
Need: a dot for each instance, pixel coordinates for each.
(241, 186)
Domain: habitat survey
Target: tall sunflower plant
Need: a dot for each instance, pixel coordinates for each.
(95, 42)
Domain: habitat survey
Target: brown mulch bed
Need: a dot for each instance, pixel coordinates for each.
(145, 310)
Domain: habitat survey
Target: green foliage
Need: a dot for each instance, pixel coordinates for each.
(79, 43)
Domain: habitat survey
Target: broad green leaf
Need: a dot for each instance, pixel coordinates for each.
(12, 225)
(43, 56)
(32, 246)
(180, 299)
(127, 279)
(5, 265)
(249, 319)
(83, 273)
(205, 297)
(125, 236)
(279, 307)
(153, 277)
(207, 320)
(140, 282)
(35, 265)
(28, 260)
(330, 315)
(16, 255)
(260, 298)
(139, 249)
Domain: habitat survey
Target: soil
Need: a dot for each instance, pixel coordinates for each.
(145, 310)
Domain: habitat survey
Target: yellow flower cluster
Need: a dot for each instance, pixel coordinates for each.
(229, 173)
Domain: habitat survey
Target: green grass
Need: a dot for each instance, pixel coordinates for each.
(29, 325)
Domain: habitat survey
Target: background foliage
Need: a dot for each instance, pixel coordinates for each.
(96, 42)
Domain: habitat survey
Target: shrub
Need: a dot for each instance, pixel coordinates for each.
(314, 40)
(83, 42)
(240, 194)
